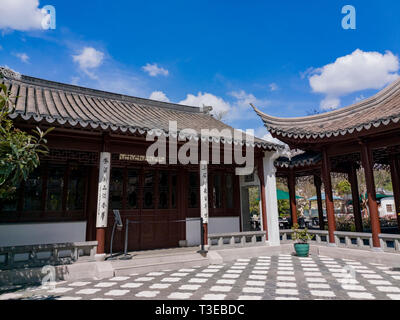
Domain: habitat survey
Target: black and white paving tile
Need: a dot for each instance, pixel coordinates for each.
(281, 277)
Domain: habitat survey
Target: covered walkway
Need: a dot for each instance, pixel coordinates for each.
(365, 134)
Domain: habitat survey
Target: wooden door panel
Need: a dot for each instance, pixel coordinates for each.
(152, 228)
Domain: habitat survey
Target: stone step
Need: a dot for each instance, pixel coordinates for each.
(172, 265)
(143, 263)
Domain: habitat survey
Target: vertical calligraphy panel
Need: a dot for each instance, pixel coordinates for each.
(103, 190)
(204, 191)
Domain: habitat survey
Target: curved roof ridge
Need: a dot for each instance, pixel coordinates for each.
(381, 109)
(368, 102)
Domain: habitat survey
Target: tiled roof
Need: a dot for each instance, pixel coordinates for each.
(72, 106)
(300, 160)
(380, 110)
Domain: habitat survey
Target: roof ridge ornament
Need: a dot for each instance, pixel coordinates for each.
(8, 73)
(206, 109)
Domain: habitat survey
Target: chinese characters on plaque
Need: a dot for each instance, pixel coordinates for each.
(204, 191)
(102, 194)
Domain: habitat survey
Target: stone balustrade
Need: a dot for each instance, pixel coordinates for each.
(44, 254)
(389, 242)
(236, 239)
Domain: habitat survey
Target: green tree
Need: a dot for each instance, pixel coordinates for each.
(254, 200)
(343, 187)
(283, 207)
(19, 151)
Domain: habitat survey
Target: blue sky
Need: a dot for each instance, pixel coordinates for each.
(224, 53)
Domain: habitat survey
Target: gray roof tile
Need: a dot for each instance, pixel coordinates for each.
(58, 104)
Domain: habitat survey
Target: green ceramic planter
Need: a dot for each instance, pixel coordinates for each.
(302, 249)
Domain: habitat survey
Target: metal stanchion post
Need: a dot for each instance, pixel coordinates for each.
(126, 255)
(112, 240)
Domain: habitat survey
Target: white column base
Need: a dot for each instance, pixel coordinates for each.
(100, 256)
(271, 198)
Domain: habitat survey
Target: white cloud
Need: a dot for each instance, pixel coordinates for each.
(23, 57)
(21, 15)
(154, 70)
(220, 106)
(159, 96)
(243, 99)
(357, 71)
(241, 108)
(236, 109)
(89, 59)
(329, 102)
(273, 86)
(75, 81)
(359, 98)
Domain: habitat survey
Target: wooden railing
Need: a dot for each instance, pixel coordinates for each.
(236, 239)
(44, 254)
(389, 242)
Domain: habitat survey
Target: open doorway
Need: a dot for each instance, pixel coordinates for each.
(251, 217)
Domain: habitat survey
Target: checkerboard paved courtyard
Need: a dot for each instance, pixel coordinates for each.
(272, 278)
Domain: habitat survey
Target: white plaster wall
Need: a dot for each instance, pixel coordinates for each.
(384, 202)
(223, 225)
(41, 233)
(215, 225)
(193, 231)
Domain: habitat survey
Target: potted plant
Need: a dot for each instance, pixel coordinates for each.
(301, 236)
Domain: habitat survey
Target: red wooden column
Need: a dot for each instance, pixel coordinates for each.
(395, 171)
(318, 183)
(292, 195)
(330, 210)
(355, 196)
(260, 172)
(367, 162)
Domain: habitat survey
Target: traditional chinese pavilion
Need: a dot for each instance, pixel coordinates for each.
(365, 134)
(97, 163)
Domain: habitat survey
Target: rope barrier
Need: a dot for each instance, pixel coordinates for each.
(166, 221)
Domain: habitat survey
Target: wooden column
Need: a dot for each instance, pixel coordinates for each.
(395, 171)
(355, 196)
(260, 172)
(181, 197)
(292, 195)
(205, 234)
(367, 161)
(330, 209)
(318, 183)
